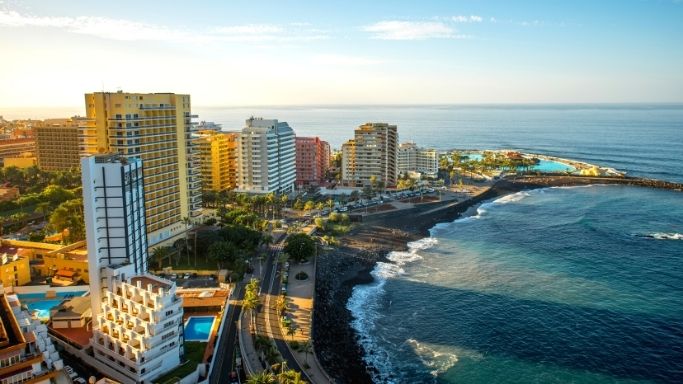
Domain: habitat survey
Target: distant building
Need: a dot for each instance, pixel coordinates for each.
(137, 327)
(267, 157)
(57, 143)
(312, 161)
(16, 148)
(14, 268)
(22, 360)
(218, 159)
(157, 128)
(27, 160)
(371, 153)
(8, 193)
(209, 126)
(411, 158)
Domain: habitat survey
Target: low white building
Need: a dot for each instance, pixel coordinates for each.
(140, 327)
(267, 161)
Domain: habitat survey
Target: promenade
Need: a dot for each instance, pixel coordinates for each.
(300, 308)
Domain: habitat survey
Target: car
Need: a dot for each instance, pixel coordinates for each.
(283, 289)
(186, 276)
(68, 369)
(80, 380)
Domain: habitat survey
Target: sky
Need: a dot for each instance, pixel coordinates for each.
(244, 53)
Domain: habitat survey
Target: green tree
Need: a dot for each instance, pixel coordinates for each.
(300, 247)
(69, 216)
(298, 204)
(309, 205)
(264, 377)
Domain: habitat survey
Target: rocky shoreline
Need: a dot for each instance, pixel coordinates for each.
(339, 270)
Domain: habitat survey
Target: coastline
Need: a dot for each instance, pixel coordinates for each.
(341, 269)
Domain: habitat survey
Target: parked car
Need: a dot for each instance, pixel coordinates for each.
(79, 380)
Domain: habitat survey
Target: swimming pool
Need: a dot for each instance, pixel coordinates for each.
(547, 166)
(198, 328)
(38, 304)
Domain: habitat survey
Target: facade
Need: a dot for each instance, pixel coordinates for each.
(155, 127)
(372, 153)
(53, 260)
(217, 153)
(411, 158)
(21, 359)
(57, 144)
(14, 268)
(312, 161)
(16, 148)
(137, 318)
(25, 161)
(267, 157)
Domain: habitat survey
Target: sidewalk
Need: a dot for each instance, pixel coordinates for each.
(250, 358)
(300, 303)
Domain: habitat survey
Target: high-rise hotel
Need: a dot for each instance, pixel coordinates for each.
(267, 157)
(156, 127)
(137, 327)
(371, 153)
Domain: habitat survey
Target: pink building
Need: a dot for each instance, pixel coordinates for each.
(312, 161)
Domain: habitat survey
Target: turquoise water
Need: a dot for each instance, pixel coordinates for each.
(38, 304)
(557, 285)
(198, 328)
(547, 166)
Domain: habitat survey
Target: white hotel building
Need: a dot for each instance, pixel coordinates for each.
(411, 158)
(267, 161)
(137, 318)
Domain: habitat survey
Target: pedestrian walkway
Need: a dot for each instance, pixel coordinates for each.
(300, 310)
(250, 358)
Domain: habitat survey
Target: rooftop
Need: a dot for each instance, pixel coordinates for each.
(203, 298)
(156, 282)
(75, 307)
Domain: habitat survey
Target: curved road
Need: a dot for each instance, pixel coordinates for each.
(270, 287)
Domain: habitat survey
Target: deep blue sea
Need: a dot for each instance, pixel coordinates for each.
(557, 285)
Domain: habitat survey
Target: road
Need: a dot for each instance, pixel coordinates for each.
(269, 323)
(224, 355)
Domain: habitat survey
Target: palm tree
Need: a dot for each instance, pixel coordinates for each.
(290, 376)
(291, 331)
(264, 377)
(159, 254)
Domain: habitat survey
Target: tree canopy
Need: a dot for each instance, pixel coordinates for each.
(300, 247)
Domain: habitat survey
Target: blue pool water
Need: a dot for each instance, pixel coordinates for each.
(198, 328)
(38, 304)
(543, 165)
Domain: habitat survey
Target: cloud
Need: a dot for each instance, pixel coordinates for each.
(128, 30)
(467, 19)
(411, 30)
(343, 60)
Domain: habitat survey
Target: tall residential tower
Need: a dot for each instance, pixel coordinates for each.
(137, 319)
(267, 157)
(156, 127)
(312, 161)
(372, 153)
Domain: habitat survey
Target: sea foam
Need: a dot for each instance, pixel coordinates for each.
(367, 303)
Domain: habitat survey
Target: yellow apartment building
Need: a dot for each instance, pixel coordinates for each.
(157, 128)
(57, 144)
(14, 268)
(67, 263)
(217, 153)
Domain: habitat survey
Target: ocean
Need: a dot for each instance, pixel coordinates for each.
(556, 285)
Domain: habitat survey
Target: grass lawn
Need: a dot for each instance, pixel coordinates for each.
(201, 263)
(194, 352)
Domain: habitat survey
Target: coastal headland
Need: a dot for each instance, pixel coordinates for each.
(344, 267)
